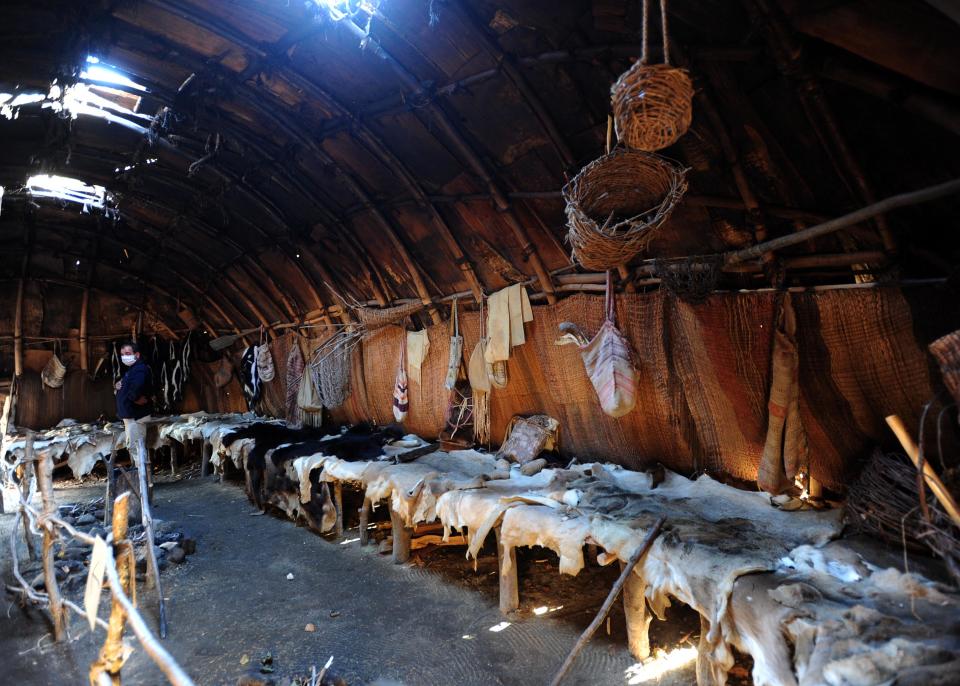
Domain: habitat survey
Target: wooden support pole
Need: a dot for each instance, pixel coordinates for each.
(153, 570)
(45, 485)
(207, 450)
(638, 619)
(401, 538)
(365, 521)
(338, 504)
(84, 305)
(608, 603)
(174, 457)
(111, 483)
(18, 331)
(902, 200)
(509, 576)
(111, 657)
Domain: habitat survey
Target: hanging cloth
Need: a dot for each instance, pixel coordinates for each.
(295, 368)
(418, 344)
(786, 452)
(401, 388)
(456, 352)
(265, 366)
(478, 372)
(608, 361)
(308, 395)
(508, 310)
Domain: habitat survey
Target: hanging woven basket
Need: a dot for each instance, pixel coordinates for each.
(617, 202)
(652, 106)
(652, 103)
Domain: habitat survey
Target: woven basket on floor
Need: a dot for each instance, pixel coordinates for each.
(617, 202)
(652, 106)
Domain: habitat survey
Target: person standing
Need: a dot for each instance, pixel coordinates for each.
(133, 395)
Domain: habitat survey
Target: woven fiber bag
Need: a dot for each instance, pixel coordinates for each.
(608, 362)
(53, 372)
(652, 103)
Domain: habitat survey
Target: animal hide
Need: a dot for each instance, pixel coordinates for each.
(786, 452)
(401, 388)
(249, 377)
(295, 369)
(265, 366)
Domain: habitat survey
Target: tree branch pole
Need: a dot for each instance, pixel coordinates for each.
(886, 205)
(608, 603)
(147, 518)
(45, 484)
(110, 659)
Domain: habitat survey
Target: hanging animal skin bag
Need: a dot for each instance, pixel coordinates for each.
(608, 361)
(224, 373)
(53, 371)
(265, 360)
(456, 352)
(401, 388)
(308, 397)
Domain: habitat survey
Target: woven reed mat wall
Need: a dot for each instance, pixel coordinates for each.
(703, 381)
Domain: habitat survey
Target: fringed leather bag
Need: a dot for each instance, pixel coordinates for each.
(401, 387)
(609, 363)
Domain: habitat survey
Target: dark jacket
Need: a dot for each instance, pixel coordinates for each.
(136, 387)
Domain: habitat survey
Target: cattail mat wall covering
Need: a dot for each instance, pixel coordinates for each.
(652, 103)
(617, 202)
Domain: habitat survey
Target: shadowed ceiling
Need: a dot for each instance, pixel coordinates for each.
(285, 153)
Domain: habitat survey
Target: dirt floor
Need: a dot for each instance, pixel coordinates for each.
(431, 621)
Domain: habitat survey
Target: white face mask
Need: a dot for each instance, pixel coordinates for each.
(128, 359)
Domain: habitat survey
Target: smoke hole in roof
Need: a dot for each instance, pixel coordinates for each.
(104, 73)
(67, 189)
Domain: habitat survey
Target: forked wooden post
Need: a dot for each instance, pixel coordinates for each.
(45, 484)
(154, 570)
(401, 538)
(509, 580)
(110, 659)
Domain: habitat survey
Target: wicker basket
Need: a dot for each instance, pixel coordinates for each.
(617, 202)
(652, 105)
(373, 318)
(947, 352)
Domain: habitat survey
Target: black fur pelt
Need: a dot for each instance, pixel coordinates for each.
(359, 442)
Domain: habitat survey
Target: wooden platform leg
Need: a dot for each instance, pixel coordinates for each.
(401, 539)
(365, 521)
(207, 453)
(509, 581)
(638, 619)
(148, 457)
(174, 451)
(338, 503)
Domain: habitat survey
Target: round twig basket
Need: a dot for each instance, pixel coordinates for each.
(617, 202)
(652, 105)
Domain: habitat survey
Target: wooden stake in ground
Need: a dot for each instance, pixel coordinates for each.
(147, 518)
(111, 654)
(608, 603)
(45, 484)
(111, 482)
